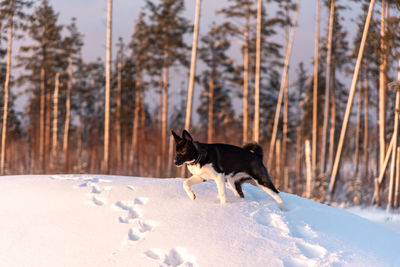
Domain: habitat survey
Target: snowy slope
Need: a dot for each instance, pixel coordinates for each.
(83, 220)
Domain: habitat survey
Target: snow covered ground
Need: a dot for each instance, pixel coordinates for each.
(81, 220)
(390, 220)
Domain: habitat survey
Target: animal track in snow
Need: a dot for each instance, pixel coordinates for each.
(132, 209)
(139, 230)
(98, 201)
(124, 205)
(311, 250)
(274, 220)
(304, 231)
(132, 215)
(175, 257)
(96, 189)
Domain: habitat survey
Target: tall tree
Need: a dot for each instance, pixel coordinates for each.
(40, 60)
(71, 47)
(315, 90)
(192, 66)
(332, 182)
(382, 86)
(256, 127)
(168, 27)
(242, 9)
(107, 90)
(13, 14)
(241, 16)
(327, 86)
(214, 54)
(140, 46)
(282, 85)
(118, 91)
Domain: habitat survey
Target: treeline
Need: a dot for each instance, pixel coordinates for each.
(92, 117)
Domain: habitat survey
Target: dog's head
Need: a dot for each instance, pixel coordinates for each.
(186, 151)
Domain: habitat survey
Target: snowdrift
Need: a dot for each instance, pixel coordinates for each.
(81, 220)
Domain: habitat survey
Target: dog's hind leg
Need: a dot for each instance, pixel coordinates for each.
(189, 182)
(236, 187)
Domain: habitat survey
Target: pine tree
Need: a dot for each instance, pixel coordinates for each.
(145, 55)
(105, 164)
(71, 48)
(13, 16)
(90, 77)
(40, 62)
(168, 29)
(213, 53)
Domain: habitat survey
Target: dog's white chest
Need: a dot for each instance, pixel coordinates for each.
(205, 172)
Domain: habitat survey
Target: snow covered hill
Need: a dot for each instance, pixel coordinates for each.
(81, 220)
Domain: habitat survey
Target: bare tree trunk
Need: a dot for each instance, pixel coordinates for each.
(6, 92)
(350, 102)
(298, 159)
(357, 137)
(118, 113)
(165, 111)
(160, 114)
(210, 130)
(309, 171)
(67, 115)
(393, 164)
(332, 130)
(381, 178)
(246, 77)
(192, 66)
(285, 109)
(170, 155)
(278, 173)
(365, 144)
(285, 125)
(141, 132)
(79, 149)
(397, 187)
(42, 116)
(382, 90)
(136, 122)
(47, 129)
(283, 83)
(327, 89)
(105, 167)
(256, 122)
(315, 92)
(54, 155)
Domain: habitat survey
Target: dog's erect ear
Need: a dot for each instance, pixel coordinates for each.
(176, 137)
(187, 136)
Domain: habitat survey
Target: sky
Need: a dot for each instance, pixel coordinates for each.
(125, 12)
(92, 17)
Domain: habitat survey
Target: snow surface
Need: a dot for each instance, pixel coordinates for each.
(389, 220)
(82, 220)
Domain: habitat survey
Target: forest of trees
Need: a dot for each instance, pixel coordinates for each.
(91, 116)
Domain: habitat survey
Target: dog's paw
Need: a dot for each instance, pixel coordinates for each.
(191, 195)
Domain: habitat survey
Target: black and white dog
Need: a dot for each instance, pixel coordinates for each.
(222, 162)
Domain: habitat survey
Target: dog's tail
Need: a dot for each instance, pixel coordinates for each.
(255, 148)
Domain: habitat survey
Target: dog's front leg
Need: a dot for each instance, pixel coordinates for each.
(189, 182)
(220, 181)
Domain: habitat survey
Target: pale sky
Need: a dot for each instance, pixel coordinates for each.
(92, 16)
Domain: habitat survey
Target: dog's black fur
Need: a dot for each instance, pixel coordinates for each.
(236, 164)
